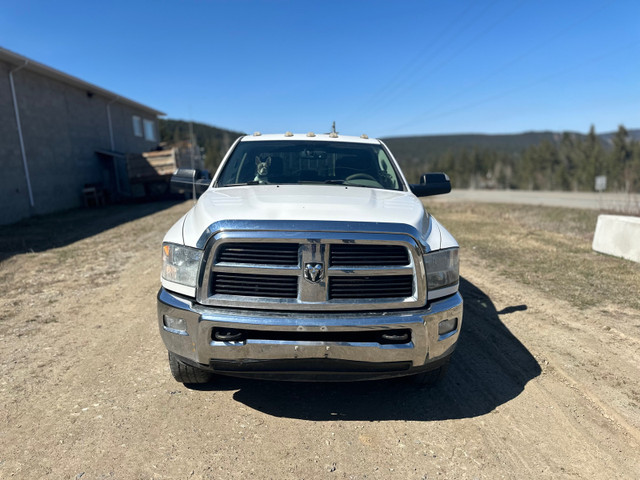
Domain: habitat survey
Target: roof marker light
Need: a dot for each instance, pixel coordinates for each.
(288, 134)
(311, 134)
(333, 135)
(256, 134)
(364, 135)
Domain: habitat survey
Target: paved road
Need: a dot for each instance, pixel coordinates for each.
(616, 202)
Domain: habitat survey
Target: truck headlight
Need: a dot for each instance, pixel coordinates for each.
(180, 264)
(442, 269)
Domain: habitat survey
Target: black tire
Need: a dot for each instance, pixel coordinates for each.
(188, 374)
(430, 378)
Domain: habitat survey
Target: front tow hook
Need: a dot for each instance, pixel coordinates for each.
(227, 335)
(396, 337)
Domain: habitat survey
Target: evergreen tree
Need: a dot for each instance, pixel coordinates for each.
(569, 160)
(634, 167)
(593, 160)
(621, 160)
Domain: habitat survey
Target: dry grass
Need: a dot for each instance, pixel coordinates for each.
(546, 248)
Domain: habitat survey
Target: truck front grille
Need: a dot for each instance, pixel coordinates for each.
(248, 285)
(340, 272)
(351, 255)
(259, 253)
(388, 286)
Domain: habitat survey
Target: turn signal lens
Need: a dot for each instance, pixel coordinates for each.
(441, 268)
(180, 264)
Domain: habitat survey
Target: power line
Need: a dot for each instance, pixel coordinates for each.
(419, 60)
(511, 62)
(445, 62)
(517, 89)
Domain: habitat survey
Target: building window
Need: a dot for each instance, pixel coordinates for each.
(149, 131)
(137, 126)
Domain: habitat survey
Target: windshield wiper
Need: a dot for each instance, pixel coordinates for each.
(252, 182)
(336, 181)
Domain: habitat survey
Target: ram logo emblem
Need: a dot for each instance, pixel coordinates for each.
(313, 272)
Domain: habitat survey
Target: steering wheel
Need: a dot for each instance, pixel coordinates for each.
(363, 176)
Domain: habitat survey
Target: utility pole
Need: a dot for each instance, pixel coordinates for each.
(193, 167)
(333, 127)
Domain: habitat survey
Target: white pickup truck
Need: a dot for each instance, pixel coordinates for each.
(309, 257)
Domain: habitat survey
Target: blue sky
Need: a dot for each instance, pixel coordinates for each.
(387, 68)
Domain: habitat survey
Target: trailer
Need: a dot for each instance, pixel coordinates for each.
(149, 173)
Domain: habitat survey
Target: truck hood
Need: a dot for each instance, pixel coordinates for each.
(311, 203)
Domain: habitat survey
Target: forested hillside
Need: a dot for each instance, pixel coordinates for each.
(215, 141)
(534, 160)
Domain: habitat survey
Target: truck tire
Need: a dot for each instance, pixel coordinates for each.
(430, 378)
(188, 374)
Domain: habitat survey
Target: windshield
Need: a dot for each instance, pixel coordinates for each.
(298, 162)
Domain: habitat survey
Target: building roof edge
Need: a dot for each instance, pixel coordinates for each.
(29, 64)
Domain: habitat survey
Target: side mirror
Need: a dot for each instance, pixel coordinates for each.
(432, 184)
(189, 179)
(202, 185)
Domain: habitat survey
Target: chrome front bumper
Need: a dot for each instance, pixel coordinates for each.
(425, 349)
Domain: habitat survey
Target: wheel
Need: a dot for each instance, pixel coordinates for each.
(187, 374)
(430, 378)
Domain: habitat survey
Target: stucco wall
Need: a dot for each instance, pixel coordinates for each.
(62, 127)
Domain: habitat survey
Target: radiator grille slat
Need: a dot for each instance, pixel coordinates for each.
(368, 255)
(391, 286)
(285, 254)
(273, 286)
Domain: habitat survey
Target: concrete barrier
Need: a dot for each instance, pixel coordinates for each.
(619, 236)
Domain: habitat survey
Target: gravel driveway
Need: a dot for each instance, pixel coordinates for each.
(85, 389)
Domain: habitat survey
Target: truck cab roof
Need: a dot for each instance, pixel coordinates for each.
(325, 137)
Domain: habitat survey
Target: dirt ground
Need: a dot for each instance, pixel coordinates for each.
(537, 388)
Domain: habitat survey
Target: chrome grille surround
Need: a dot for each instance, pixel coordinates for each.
(314, 248)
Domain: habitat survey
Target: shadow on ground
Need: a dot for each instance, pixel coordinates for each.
(37, 234)
(489, 368)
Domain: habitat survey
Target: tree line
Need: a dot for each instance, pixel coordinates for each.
(567, 162)
(213, 141)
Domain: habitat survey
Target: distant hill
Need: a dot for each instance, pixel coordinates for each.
(607, 138)
(531, 160)
(430, 147)
(215, 141)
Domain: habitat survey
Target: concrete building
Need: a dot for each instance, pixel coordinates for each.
(60, 134)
